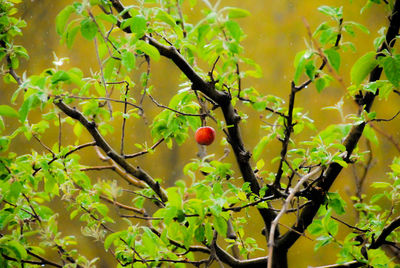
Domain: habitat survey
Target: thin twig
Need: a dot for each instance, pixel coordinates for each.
(122, 206)
(145, 151)
(173, 110)
(350, 226)
(387, 136)
(102, 76)
(125, 175)
(124, 119)
(182, 21)
(44, 145)
(384, 119)
(98, 98)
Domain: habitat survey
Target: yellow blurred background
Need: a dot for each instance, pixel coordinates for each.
(275, 33)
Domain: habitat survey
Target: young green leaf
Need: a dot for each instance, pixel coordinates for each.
(88, 29)
(236, 13)
(6, 110)
(128, 60)
(333, 58)
(362, 67)
(148, 49)
(62, 18)
(391, 67)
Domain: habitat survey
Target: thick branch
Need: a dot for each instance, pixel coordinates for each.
(102, 143)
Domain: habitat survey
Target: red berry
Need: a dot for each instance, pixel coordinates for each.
(205, 135)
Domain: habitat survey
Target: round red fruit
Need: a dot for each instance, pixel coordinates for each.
(205, 135)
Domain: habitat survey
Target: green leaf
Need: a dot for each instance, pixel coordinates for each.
(6, 110)
(128, 60)
(220, 225)
(60, 76)
(332, 227)
(110, 239)
(70, 36)
(148, 49)
(236, 13)
(107, 17)
(199, 233)
(320, 84)
(375, 198)
(333, 12)
(14, 192)
(138, 25)
(322, 241)
(18, 250)
(379, 185)
(370, 134)
(336, 202)
(165, 17)
(362, 67)
(88, 29)
(310, 69)
(333, 58)
(299, 64)
(62, 18)
(315, 228)
(259, 148)
(359, 26)
(391, 67)
(234, 29)
(26, 107)
(4, 143)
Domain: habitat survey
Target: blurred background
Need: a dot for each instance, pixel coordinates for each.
(275, 33)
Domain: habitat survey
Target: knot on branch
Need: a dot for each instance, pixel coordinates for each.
(244, 156)
(91, 124)
(236, 118)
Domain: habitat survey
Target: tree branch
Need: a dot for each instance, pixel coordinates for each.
(233, 262)
(351, 264)
(285, 207)
(350, 142)
(385, 233)
(102, 143)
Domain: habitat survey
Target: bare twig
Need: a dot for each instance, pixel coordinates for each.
(387, 136)
(99, 98)
(122, 206)
(44, 145)
(348, 225)
(124, 119)
(173, 110)
(384, 119)
(102, 75)
(271, 240)
(125, 175)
